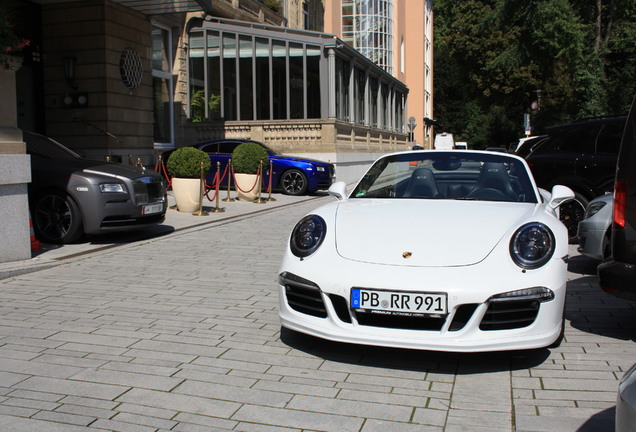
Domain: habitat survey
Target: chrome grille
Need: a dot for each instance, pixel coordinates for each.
(148, 190)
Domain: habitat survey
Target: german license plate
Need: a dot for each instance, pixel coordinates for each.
(398, 302)
(152, 208)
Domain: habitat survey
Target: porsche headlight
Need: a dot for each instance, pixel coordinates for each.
(532, 245)
(307, 235)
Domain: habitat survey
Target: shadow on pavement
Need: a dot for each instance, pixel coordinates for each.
(590, 309)
(602, 421)
(581, 264)
(96, 242)
(413, 360)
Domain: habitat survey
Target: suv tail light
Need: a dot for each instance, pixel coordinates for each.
(620, 196)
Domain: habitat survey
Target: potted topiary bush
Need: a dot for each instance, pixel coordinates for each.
(184, 166)
(246, 159)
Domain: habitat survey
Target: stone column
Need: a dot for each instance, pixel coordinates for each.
(15, 170)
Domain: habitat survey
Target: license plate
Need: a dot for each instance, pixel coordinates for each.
(152, 208)
(398, 302)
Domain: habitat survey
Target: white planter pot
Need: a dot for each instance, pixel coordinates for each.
(187, 193)
(244, 185)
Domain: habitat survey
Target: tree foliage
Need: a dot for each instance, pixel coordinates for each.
(494, 57)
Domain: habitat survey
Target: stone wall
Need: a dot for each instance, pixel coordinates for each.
(15, 174)
(100, 37)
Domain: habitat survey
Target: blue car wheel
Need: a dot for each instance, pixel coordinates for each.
(293, 182)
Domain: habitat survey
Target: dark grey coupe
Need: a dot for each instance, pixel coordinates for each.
(70, 196)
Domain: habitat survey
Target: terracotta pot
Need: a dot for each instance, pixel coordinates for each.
(244, 185)
(187, 193)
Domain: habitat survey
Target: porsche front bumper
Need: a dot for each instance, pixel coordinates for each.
(318, 303)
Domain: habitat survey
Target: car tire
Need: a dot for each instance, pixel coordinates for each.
(57, 218)
(571, 213)
(293, 182)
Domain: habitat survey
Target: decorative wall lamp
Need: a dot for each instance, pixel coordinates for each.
(73, 99)
(69, 71)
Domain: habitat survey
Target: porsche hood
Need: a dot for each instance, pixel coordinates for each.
(424, 233)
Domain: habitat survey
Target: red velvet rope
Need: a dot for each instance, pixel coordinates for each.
(258, 173)
(165, 174)
(217, 182)
(269, 182)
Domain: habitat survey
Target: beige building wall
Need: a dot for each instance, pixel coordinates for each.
(412, 56)
(294, 11)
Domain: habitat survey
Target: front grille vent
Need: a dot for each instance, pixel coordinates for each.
(341, 307)
(302, 295)
(462, 315)
(506, 315)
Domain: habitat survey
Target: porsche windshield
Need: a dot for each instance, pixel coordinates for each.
(448, 175)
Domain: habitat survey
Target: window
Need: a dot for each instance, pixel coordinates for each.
(262, 78)
(229, 77)
(197, 78)
(342, 89)
(609, 140)
(307, 25)
(162, 88)
(246, 72)
(279, 79)
(214, 76)
(313, 82)
(238, 74)
(373, 101)
(296, 81)
(358, 95)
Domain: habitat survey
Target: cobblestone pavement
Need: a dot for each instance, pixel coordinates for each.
(181, 333)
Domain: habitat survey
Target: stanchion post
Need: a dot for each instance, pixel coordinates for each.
(271, 174)
(218, 209)
(172, 207)
(260, 183)
(229, 177)
(200, 212)
(130, 162)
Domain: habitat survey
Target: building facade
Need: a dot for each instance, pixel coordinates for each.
(128, 79)
(397, 35)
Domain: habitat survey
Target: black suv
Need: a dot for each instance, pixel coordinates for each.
(581, 155)
(618, 274)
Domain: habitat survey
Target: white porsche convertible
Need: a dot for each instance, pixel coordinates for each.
(434, 250)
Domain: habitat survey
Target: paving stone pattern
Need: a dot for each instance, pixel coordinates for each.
(181, 333)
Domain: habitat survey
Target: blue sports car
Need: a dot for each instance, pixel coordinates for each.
(291, 175)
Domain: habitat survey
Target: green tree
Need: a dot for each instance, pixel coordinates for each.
(492, 56)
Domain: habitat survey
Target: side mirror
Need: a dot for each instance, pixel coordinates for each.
(338, 190)
(560, 194)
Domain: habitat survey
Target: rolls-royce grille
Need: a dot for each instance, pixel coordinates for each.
(509, 315)
(148, 190)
